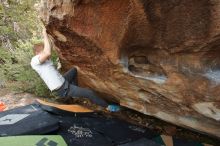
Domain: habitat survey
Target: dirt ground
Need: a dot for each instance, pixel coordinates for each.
(13, 99)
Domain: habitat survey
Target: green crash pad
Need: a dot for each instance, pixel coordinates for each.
(43, 140)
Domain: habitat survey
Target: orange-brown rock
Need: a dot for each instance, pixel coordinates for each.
(159, 57)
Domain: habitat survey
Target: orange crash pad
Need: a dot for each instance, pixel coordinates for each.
(69, 108)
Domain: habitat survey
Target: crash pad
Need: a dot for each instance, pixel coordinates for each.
(30, 119)
(141, 142)
(117, 130)
(39, 140)
(70, 108)
(77, 132)
(96, 129)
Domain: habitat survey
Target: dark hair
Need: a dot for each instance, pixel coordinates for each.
(38, 48)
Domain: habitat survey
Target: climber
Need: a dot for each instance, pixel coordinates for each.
(64, 86)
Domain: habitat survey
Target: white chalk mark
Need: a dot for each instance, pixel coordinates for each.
(159, 79)
(213, 75)
(208, 109)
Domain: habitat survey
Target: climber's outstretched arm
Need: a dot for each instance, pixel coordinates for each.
(45, 54)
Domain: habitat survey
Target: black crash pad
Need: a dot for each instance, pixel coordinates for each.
(141, 142)
(97, 130)
(118, 131)
(76, 132)
(27, 120)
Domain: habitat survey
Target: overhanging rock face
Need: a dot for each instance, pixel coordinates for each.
(161, 58)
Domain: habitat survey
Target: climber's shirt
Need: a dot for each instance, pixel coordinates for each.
(52, 78)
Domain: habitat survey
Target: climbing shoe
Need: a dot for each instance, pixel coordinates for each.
(113, 108)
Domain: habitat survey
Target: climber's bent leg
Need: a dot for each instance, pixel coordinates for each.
(75, 91)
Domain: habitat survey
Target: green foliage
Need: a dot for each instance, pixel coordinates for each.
(18, 19)
(20, 29)
(16, 69)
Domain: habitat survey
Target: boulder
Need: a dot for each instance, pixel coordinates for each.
(161, 58)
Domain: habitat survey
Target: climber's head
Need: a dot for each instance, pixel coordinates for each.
(38, 48)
